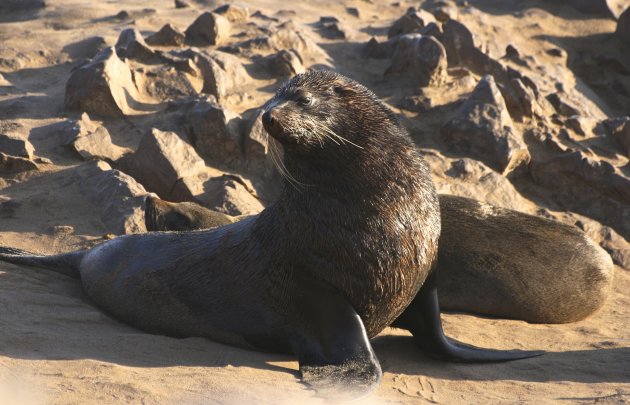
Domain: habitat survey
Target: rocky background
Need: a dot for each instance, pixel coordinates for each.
(523, 104)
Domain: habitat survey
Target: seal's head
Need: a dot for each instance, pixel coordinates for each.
(323, 111)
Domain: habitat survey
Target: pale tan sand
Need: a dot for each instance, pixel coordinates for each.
(57, 348)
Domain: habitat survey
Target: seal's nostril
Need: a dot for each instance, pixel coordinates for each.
(267, 119)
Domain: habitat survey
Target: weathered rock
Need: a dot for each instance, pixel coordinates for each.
(470, 178)
(131, 45)
(562, 107)
(15, 164)
(260, 150)
(353, 11)
(520, 100)
(332, 28)
(583, 184)
(117, 196)
(222, 73)
(233, 13)
(104, 86)
(230, 194)
(380, 50)
(413, 21)
(181, 4)
(168, 35)
(416, 103)
(85, 48)
(580, 125)
(622, 137)
(461, 51)
(16, 146)
(623, 27)
(162, 158)
(95, 142)
(215, 132)
(483, 129)
(285, 63)
(208, 29)
(420, 59)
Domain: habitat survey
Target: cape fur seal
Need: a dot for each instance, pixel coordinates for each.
(491, 261)
(349, 244)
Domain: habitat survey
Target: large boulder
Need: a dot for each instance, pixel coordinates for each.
(117, 196)
(482, 128)
(413, 21)
(162, 158)
(216, 133)
(420, 59)
(91, 140)
(208, 29)
(105, 86)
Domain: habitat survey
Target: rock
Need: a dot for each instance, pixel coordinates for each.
(416, 103)
(580, 125)
(330, 29)
(470, 178)
(215, 132)
(233, 13)
(285, 63)
(74, 128)
(168, 35)
(222, 73)
(231, 195)
(586, 185)
(380, 50)
(16, 146)
(520, 100)
(260, 150)
(85, 48)
(117, 196)
(131, 45)
(420, 59)
(483, 129)
(162, 158)
(353, 11)
(104, 87)
(97, 144)
(287, 36)
(181, 4)
(15, 164)
(621, 135)
(208, 29)
(461, 51)
(557, 100)
(413, 21)
(623, 27)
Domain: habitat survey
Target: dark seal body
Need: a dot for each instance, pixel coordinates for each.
(338, 257)
(492, 261)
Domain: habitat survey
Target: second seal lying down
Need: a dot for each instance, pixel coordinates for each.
(343, 252)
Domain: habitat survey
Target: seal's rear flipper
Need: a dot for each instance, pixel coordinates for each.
(422, 319)
(335, 355)
(65, 263)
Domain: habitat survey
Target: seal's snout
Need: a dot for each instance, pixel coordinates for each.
(268, 120)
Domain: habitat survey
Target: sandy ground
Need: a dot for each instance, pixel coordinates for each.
(57, 348)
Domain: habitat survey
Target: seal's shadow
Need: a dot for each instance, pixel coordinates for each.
(399, 355)
(49, 318)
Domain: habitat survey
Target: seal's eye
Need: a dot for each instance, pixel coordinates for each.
(305, 100)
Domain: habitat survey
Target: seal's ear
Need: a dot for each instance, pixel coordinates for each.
(342, 90)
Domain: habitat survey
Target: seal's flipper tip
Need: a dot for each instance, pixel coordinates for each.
(348, 381)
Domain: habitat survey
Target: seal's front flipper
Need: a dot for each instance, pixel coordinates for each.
(335, 355)
(422, 319)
